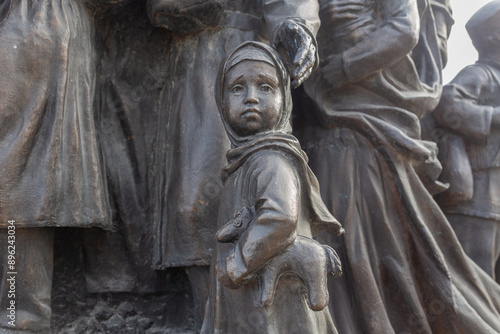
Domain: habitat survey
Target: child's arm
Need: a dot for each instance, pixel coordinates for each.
(274, 226)
(305, 258)
(460, 108)
(392, 40)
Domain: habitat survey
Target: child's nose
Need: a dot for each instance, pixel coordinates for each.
(251, 96)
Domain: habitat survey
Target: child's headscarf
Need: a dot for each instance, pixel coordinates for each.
(255, 51)
(279, 139)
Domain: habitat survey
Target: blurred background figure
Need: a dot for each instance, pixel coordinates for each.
(470, 110)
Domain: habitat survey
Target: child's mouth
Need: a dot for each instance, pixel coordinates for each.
(251, 111)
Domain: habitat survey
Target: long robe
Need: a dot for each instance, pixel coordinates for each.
(51, 172)
(132, 74)
(405, 271)
(50, 165)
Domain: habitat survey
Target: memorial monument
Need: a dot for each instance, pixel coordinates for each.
(112, 149)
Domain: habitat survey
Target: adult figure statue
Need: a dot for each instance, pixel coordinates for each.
(50, 163)
(190, 153)
(132, 74)
(470, 108)
(405, 271)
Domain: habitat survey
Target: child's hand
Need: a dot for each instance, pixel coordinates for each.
(231, 271)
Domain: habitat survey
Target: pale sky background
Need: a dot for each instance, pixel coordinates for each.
(460, 50)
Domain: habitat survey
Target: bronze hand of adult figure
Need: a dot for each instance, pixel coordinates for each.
(301, 51)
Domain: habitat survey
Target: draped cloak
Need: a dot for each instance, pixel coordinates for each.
(405, 271)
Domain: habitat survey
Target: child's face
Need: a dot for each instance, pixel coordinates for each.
(252, 97)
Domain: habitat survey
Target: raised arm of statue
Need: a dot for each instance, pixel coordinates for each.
(386, 42)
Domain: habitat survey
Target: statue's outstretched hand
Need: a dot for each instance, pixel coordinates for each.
(300, 49)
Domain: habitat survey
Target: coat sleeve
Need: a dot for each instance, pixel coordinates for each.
(460, 109)
(274, 228)
(444, 8)
(393, 39)
(303, 12)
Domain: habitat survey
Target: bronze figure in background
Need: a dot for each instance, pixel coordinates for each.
(470, 112)
(404, 269)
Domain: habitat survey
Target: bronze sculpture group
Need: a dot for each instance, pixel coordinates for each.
(122, 123)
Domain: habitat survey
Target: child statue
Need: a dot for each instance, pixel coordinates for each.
(470, 108)
(271, 206)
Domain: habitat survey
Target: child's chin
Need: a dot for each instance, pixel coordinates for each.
(250, 130)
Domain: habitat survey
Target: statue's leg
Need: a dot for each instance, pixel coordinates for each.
(199, 280)
(30, 280)
(107, 263)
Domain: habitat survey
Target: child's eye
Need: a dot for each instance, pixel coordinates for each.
(237, 89)
(266, 88)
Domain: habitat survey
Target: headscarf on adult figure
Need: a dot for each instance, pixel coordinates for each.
(405, 270)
